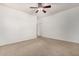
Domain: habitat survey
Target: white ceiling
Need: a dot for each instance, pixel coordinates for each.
(56, 7)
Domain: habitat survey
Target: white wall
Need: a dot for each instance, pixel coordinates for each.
(16, 26)
(62, 26)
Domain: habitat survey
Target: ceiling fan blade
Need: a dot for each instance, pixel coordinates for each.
(49, 6)
(44, 11)
(34, 7)
(36, 11)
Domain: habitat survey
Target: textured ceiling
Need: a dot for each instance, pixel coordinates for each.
(56, 7)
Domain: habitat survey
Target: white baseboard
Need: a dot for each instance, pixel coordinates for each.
(17, 40)
(57, 38)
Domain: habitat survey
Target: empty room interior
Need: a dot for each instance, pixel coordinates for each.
(39, 29)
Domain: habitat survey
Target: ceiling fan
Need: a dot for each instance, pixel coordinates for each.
(40, 8)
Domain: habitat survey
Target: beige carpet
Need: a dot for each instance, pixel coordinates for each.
(40, 47)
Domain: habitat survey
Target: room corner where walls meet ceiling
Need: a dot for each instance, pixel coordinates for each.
(55, 8)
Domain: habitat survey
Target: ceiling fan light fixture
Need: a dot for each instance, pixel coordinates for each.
(40, 9)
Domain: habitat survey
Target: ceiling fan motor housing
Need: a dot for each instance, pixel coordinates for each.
(41, 7)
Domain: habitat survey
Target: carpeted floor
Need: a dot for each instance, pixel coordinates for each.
(40, 47)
